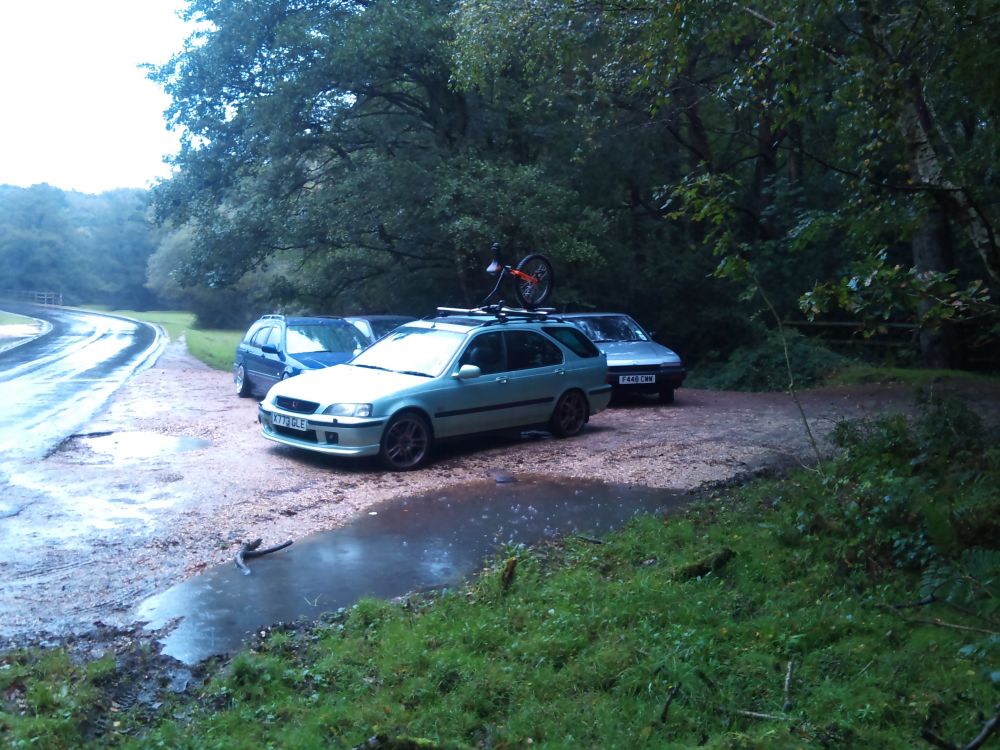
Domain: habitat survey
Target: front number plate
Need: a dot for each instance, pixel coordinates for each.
(634, 379)
(295, 423)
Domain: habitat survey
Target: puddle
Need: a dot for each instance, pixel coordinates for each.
(428, 541)
(129, 446)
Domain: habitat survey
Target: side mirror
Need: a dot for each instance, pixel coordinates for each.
(269, 349)
(467, 372)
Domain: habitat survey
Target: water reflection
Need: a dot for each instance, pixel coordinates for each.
(124, 446)
(428, 541)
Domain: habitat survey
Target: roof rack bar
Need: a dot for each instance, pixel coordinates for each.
(499, 312)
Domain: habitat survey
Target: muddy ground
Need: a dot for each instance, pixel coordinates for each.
(174, 476)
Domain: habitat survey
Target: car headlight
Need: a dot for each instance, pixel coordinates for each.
(348, 410)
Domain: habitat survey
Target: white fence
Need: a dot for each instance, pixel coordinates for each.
(39, 298)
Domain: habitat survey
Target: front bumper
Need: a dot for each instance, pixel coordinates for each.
(336, 436)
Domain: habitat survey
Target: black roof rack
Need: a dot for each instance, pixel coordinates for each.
(500, 313)
(281, 316)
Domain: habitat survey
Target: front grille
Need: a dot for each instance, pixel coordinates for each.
(307, 437)
(625, 369)
(296, 405)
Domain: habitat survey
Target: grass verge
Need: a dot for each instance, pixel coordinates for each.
(7, 318)
(854, 608)
(858, 374)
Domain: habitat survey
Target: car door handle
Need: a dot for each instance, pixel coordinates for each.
(560, 371)
(502, 379)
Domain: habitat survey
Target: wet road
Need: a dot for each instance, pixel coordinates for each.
(54, 383)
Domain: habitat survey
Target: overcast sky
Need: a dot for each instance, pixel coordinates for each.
(75, 111)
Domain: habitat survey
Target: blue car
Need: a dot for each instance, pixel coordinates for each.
(277, 347)
(636, 363)
(458, 374)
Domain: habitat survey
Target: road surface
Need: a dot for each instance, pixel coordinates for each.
(57, 381)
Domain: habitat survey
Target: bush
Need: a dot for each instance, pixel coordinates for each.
(912, 495)
(761, 366)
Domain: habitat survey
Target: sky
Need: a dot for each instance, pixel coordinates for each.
(75, 110)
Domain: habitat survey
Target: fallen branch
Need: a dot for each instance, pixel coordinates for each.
(710, 564)
(507, 575)
(666, 705)
(989, 728)
(939, 622)
(384, 742)
(759, 715)
(788, 683)
(922, 603)
(250, 549)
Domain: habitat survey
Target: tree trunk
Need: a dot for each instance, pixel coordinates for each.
(932, 251)
(916, 123)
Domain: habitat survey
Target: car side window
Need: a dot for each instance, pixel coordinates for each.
(485, 352)
(251, 332)
(574, 340)
(527, 350)
(260, 338)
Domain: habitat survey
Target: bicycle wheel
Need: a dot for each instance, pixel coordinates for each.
(530, 293)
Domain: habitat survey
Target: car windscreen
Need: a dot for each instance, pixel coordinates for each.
(323, 337)
(382, 326)
(611, 328)
(425, 351)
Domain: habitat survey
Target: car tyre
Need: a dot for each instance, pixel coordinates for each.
(666, 395)
(242, 384)
(406, 442)
(570, 415)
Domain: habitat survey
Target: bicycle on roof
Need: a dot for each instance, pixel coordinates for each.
(533, 276)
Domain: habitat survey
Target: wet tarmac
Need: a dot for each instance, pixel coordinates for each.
(56, 381)
(419, 543)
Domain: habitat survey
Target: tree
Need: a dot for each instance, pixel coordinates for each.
(819, 136)
(90, 248)
(326, 144)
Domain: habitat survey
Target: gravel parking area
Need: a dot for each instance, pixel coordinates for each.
(175, 476)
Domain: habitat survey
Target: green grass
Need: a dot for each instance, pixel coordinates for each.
(859, 374)
(215, 348)
(656, 638)
(7, 318)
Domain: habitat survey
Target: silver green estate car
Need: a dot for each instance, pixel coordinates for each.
(461, 373)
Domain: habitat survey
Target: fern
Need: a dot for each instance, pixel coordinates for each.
(971, 582)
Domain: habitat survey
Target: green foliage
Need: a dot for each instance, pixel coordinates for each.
(12, 319)
(972, 581)
(913, 496)
(90, 248)
(818, 136)
(762, 367)
(878, 292)
(214, 347)
(48, 701)
(860, 374)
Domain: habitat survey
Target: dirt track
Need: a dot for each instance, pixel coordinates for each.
(174, 476)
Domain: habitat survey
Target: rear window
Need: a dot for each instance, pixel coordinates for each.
(574, 340)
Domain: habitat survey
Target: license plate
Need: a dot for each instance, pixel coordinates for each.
(635, 379)
(295, 423)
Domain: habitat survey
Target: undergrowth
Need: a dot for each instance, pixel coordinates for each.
(761, 366)
(857, 608)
